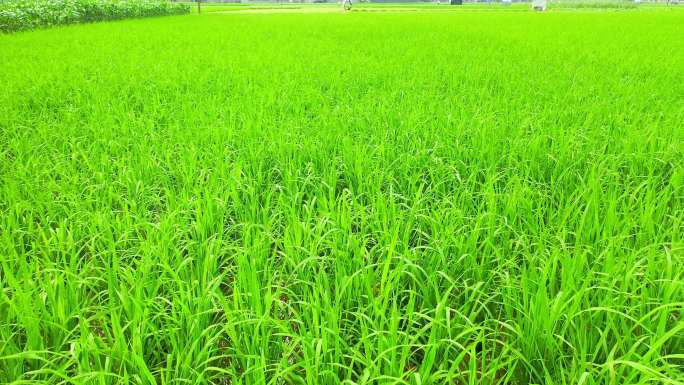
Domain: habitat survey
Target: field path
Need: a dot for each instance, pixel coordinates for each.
(288, 10)
(337, 9)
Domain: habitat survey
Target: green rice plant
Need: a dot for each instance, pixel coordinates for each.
(344, 198)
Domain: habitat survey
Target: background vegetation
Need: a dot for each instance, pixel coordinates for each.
(17, 15)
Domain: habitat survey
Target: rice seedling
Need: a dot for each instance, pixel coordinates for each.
(387, 198)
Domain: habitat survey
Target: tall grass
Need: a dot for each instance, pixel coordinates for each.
(344, 198)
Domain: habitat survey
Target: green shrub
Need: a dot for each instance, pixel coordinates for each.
(18, 15)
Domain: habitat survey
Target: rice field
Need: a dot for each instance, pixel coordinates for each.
(344, 198)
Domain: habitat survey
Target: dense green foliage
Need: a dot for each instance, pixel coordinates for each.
(17, 15)
(424, 198)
